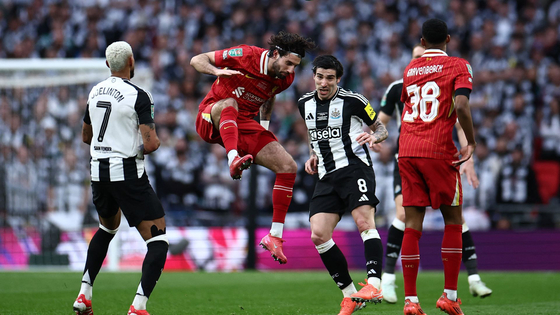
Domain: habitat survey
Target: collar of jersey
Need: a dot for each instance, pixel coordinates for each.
(434, 53)
(264, 62)
(324, 102)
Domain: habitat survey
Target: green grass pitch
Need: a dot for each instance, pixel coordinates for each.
(280, 293)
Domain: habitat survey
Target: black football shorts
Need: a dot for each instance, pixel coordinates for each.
(135, 198)
(344, 190)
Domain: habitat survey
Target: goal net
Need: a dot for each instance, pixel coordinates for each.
(46, 214)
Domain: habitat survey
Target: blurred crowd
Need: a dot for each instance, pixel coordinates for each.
(513, 47)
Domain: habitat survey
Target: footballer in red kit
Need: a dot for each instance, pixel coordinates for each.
(248, 80)
(436, 90)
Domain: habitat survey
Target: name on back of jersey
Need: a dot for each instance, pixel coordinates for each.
(108, 91)
(424, 70)
(324, 134)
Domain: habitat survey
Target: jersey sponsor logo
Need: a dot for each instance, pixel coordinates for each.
(309, 117)
(335, 114)
(238, 91)
(253, 98)
(424, 70)
(322, 116)
(363, 198)
(224, 54)
(324, 134)
(250, 77)
(370, 111)
(237, 52)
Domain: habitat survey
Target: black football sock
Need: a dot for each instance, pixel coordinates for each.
(153, 266)
(96, 253)
(336, 263)
(373, 250)
(469, 253)
(394, 242)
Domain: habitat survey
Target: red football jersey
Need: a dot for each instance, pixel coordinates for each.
(251, 89)
(428, 94)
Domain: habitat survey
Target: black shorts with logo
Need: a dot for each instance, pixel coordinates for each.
(397, 182)
(135, 198)
(344, 189)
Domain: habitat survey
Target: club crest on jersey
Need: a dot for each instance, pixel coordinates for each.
(370, 111)
(335, 114)
(237, 52)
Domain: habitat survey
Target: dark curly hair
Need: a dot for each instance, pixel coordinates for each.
(434, 31)
(287, 42)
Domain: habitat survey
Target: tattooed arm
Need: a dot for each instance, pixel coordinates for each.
(378, 134)
(150, 138)
(266, 112)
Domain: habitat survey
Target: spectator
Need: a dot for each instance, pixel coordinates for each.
(517, 182)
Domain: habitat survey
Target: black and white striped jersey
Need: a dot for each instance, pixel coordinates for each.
(333, 127)
(116, 107)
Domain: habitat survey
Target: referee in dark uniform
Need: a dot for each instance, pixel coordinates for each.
(119, 127)
(339, 154)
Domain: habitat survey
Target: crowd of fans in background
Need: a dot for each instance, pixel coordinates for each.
(513, 47)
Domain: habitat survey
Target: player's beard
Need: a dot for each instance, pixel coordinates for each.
(276, 69)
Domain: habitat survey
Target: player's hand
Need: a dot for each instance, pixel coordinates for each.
(311, 165)
(366, 137)
(465, 153)
(227, 73)
(377, 147)
(467, 168)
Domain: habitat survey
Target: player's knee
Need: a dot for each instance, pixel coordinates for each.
(230, 102)
(290, 166)
(319, 237)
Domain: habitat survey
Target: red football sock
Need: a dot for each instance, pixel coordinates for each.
(228, 128)
(410, 258)
(282, 196)
(451, 252)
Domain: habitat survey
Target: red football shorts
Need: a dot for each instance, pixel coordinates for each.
(252, 136)
(430, 182)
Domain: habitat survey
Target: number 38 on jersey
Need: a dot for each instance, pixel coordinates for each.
(424, 102)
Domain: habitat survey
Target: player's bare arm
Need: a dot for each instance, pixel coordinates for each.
(311, 164)
(379, 133)
(266, 112)
(150, 138)
(465, 119)
(385, 119)
(205, 63)
(87, 133)
(467, 167)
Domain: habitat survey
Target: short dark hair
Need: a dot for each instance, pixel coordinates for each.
(328, 62)
(287, 43)
(434, 31)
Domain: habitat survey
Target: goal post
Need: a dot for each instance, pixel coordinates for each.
(22, 73)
